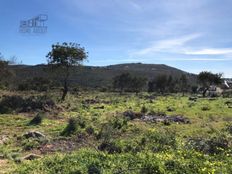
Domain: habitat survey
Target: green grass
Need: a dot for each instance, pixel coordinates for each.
(141, 147)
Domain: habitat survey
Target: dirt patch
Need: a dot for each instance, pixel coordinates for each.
(4, 166)
(64, 144)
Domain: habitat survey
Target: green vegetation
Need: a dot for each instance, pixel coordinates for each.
(103, 132)
(94, 77)
(63, 57)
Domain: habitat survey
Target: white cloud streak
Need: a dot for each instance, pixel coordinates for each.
(180, 46)
(168, 45)
(211, 51)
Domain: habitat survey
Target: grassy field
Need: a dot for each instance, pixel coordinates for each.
(102, 138)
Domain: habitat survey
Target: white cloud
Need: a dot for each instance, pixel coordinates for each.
(199, 59)
(211, 51)
(168, 45)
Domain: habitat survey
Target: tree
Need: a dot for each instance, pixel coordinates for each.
(161, 82)
(151, 86)
(207, 79)
(126, 81)
(183, 83)
(170, 84)
(137, 84)
(122, 81)
(63, 57)
(4, 69)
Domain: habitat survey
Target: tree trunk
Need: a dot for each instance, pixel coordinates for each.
(204, 92)
(65, 91)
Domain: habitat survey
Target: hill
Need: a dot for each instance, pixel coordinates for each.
(95, 76)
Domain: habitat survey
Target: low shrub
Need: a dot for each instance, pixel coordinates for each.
(74, 124)
(110, 147)
(70, 128)
(171, 109)
(37, 120)
(227, 93)
(144, 110)
(94, 169)
(32, 143)
(112, 128)
(159, 140)
(36, 83)
(17, 103)
(90, 130)
(211, 145)
(229, 128)
(205, 108)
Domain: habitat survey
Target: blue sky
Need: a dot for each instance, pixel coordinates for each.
(193, 35)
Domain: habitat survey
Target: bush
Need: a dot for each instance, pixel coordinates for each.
(90, 130)
(229, 128)
(37, 119)
(110, 147)
(213, 145)
(73, 125)
(205, 108)
(144, 110)
(94, 169)
(170, 109)
(31, 143)
(112, 128)
(227, 93)
(10, 103)
(37, 84)
(159, 141)
(16, 103)
(150, 169)
(70, 128)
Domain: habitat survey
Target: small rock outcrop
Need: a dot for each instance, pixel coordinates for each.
(34, 134)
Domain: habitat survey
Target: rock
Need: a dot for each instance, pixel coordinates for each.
(3, 139)
(34, 134)
(31, 157)
(155, 118)
(179, 119)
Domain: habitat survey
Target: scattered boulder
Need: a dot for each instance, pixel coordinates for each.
(165, 119)
(155, 117)
(178, 119)
(3, 139)
(33, 134)
(31, 157)
(152, 118)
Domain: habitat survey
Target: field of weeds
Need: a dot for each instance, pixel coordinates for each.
(94, 132)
